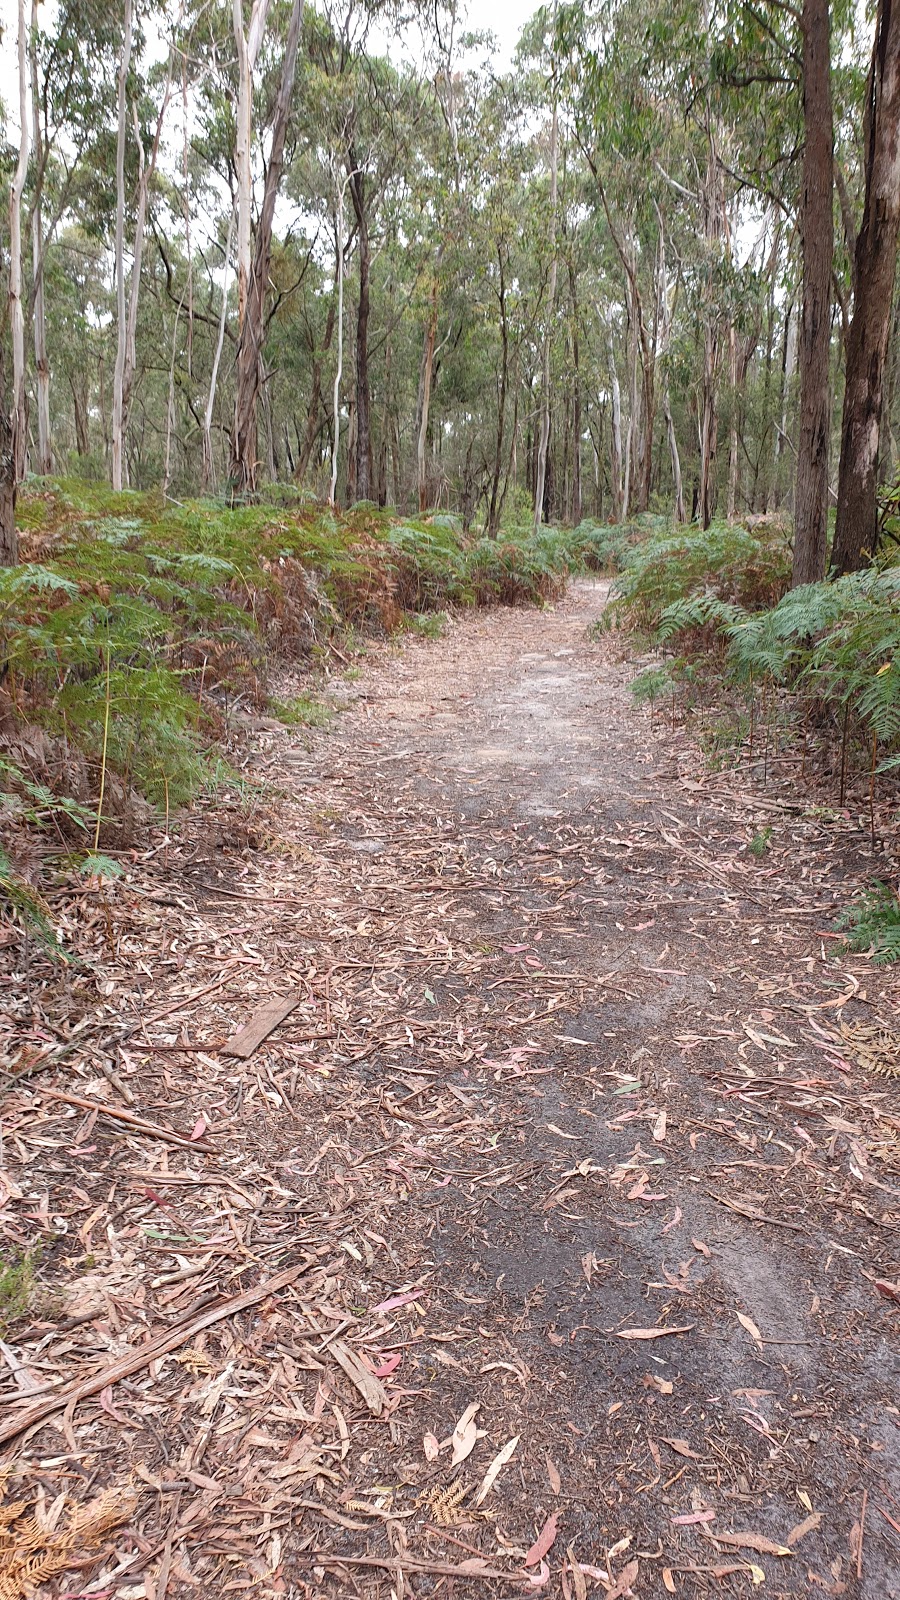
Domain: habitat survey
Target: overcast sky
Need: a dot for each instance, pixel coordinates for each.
(505, 18)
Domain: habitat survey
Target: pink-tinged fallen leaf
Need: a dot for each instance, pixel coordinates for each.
(626, 1578)
(688, 1518)
(388, 1366)
(681, 1448)
(640, 926)
(659, 1128)
(199, 1128)
(397, 1300)
(495, 1468)
(808, 1525)
(703, 1248)
(553, 1475)
(751, 1328)
(515, 949)
(679, 1214)
(465, 1434)
(753, 1541)
(668, 1581)
(661, 1385)
(536, 1580)
(890, 1291)
(106, 1402)
(654, 1333)
(431, 1447)
(544, 1541)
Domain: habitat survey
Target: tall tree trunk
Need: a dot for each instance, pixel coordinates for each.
(339, 364)
(217, 357)
(817, 239)
(576, 504)
(616, 451)
(544, 437)
(121, 325)
(16, 313)
(733, 430)
(425, 379)
(82, 427)
(680, 515)
(44, 461)
(856, 530)
(363, 473)
(251, 332)
(9, 537)
(788, 369)
(247, 46)
(493, 517)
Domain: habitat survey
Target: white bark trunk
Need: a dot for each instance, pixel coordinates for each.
(16, 313)
(247, 46)
(339, 368)
(543, 443)
(214, 375)
(44, 461)
(117, 442)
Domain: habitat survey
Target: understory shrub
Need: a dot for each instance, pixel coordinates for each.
(825, 654)
(132, 628)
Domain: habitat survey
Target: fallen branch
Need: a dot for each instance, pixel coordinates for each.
(476, 1568)
(140, 1124)
(136, 1360)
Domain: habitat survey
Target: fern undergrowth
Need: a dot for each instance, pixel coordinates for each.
(133, 630)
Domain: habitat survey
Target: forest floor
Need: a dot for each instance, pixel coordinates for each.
(576, 1166)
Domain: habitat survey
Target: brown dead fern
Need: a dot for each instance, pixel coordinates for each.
(30, 1555)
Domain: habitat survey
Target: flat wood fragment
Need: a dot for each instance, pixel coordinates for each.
(263, 1022)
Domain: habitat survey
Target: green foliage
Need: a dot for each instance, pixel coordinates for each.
(303, 712)
(141, 623)
(28, 907)
(836, 644)
(759, 844)
(16, 1287)
(724, 564)
(872, 924)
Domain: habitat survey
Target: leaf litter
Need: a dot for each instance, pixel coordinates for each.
(270, 1283)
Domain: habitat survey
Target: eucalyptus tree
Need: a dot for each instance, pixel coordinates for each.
(874, 271)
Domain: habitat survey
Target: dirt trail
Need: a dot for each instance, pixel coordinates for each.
(565, 1111)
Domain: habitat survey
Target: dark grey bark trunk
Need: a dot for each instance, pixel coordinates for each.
(856, 530)
(363, 441)
(493, 517)
(817, 237)
(249, 378)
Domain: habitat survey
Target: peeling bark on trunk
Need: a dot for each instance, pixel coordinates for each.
(856, 530)
(817, 237)
(247, 46)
